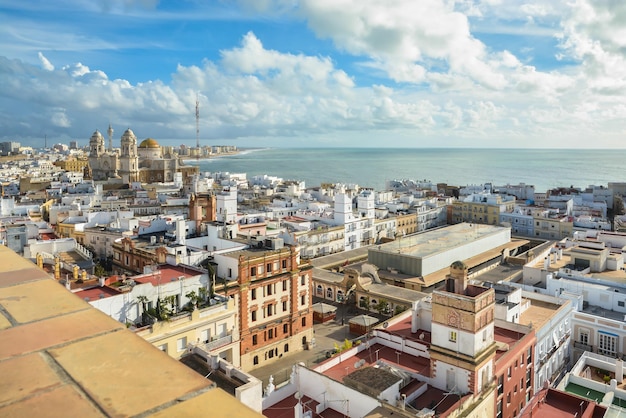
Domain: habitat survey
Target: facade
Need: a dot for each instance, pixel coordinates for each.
(144, 163)
(131, 258)
(462, 349)
(552, 226)
(514, 372)
(212, 329)
(275, 309)
(482, 208)
(315, 239)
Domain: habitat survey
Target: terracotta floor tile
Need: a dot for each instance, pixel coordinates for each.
(31, 301)
(62, 402)
(39, 335)
(207, 404)
(114, 367)
(4, 323)
(24, 376)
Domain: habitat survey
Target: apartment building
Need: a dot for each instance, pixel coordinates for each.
(481, 208)
(274, 290)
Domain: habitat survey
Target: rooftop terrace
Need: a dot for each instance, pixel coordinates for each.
(61, 357)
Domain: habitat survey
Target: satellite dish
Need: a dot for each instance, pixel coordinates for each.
(385, 324)
(357, 365)
(422, 336)
(297, 395)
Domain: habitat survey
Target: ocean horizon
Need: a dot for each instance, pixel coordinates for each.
(373, 167)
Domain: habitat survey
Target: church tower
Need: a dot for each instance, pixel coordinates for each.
(96, 145)
(129, 160)
(462, 347)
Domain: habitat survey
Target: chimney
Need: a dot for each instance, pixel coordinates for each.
(457, 280)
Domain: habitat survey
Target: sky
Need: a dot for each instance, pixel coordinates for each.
(316, 73)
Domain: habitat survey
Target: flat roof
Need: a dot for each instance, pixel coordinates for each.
(538, 313)
(61, 356)
(435, 241)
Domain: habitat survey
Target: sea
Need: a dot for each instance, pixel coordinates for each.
(373, 167)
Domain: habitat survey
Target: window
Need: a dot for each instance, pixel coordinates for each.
(620, 303)
(607, 344)
(304, 322)
(319, 290)
(253, 294)
(285, 306)
(527, 378)
(230, 272)
(529, 355)
(515, 389)
(452, 336)
(255, 361)
(583, 337)
(499, 409)
(286, 348)
(269, 310)
(302, 300)
(270, 335)
(508, 373)
(521, 384)
(181, 344)
(284, 285)
(163, 347)
(508, 398)
(284, 264)
(268, 268)
(255, 339)
(500, 384)
(253, 316)
(252, 271)
(303, 280)
(269, 289)
(285, 328)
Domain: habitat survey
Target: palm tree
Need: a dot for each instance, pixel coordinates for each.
(143, 300)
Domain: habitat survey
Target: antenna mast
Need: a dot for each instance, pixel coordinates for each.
(197, 127)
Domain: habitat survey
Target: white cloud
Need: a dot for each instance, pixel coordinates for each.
(45, 64)
(426, 74)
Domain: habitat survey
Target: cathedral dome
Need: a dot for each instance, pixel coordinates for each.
(149, 143)
(96, 136)
(129, 135)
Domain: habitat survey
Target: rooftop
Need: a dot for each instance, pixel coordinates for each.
(538, 313)
(438, 240)
(62, 357)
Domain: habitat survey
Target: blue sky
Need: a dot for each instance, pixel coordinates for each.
(402, 73)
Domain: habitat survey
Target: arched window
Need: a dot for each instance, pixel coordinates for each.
(339, 296)
(255, 361)
(286, 348)
(329, 293)
(319, 290)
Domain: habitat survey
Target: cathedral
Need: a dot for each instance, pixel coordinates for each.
(145, 163)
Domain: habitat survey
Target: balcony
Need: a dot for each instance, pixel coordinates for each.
(220, 342)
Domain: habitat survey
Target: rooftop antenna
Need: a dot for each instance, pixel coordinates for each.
(45, 141)
(197, 127)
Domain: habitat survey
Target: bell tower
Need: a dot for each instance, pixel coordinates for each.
(129, 159)
(462, 348)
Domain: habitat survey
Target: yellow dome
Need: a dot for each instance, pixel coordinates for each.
(149, 143)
